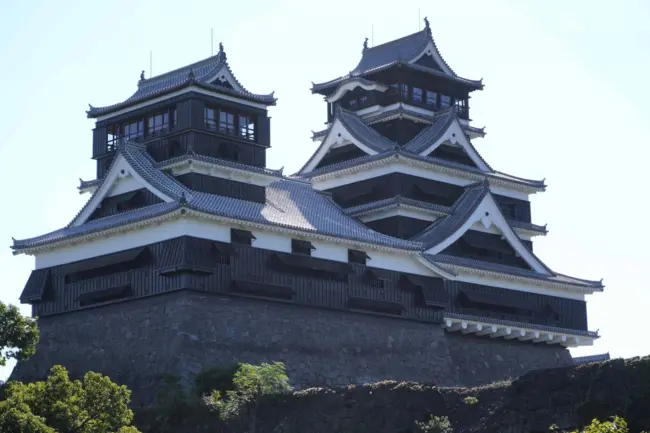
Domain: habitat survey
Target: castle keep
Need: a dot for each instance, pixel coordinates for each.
(395, 252)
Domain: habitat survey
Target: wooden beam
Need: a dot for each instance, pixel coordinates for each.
(530, 335)
(473, 328)
(516, 334)
(544, 338)
(501, 333)
(487, 330)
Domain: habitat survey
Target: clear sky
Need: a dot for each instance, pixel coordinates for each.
(565, 98)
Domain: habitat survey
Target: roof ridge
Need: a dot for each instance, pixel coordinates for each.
(191, 66)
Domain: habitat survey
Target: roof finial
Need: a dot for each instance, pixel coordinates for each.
(426, 26)
(142, 75)
(222, 53)
(190, 75)
(365, 45)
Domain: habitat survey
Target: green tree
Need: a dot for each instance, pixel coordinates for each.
(436, 424)
(18, 334)
(615, 425)
(251, 383)
(59, 405)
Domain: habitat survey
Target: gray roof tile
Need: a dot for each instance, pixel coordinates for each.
(461, 211)
(197, 73)
(579, 360)
(399, 51)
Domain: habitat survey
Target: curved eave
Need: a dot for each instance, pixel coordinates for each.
(356, 164)
(511, 330)
(95, 112)
(494, 270)
(329, 87)
(216, 162)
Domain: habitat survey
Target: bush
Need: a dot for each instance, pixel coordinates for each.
(217, 378)
(437, 424)
(470, 400)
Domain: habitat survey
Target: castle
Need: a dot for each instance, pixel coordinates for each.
(395, 252)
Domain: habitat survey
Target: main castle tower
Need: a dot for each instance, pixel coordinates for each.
(396, 252)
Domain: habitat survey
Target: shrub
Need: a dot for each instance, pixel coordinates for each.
(470, 400)
(218, 378)
(437, 424)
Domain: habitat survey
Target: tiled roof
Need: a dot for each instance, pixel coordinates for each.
(400, 51)
(363, 132)
(396, 201)
(198, 73)
(430, 134)
(462, 210)
(526, 325)
(537, 184)
(217, 161)
(442, 259)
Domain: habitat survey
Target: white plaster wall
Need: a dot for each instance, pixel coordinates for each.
(125, 185)
(330, 251)
(272, 241)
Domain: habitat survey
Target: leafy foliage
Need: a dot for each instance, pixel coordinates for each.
(18, 334)
(251, 383)
(470, 400)
(437, 424)
(219, 378)
(59, 405)
(616, 425)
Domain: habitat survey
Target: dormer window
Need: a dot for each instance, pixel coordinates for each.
(301, 247)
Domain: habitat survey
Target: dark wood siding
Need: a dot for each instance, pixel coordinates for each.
(485, 247)
(400, 131)
(514, 209)
(207, 144)
(225, 187)
(391, 185)
(340, 154)
(124, 202)
(399, 226)
(452, 154)
(199, 264)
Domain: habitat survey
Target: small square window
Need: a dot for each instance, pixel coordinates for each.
(356, 256)
(301, 247)
(445, 101)
(241, 237)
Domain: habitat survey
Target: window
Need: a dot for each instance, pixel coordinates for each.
(134, 130)
(247, 127)
(114, 135)
(417, 94)
(404, 91)
(356, 256)
(394, 88)
(158, 122)
(432, 99)
(445, 101)
(301, 247)
(241, 237)
(226, 123)
(210, 115)
(461, 106)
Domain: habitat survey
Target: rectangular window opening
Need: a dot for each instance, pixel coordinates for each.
(241, 237)
(356, 256)
(301, 247)
(432, 99)
(417, 94)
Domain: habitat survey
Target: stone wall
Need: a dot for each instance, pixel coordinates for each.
(181, 333)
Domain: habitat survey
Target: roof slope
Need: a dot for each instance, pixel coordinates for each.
(202, 73)
(405, 50)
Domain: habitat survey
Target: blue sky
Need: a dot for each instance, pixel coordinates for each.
(565, 99)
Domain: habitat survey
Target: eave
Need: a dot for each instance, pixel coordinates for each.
(495, 179)
(494, 328)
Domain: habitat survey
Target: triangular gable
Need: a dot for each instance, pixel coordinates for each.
(453, 135)
(224, 77)
(119, 173)
(488, 214)
(338, 135)
(352, 84)
(431, 51)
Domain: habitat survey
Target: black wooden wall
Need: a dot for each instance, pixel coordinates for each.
(242, 270)
(430, 191)
(399, 226)
(224, 187)
(125, 202)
